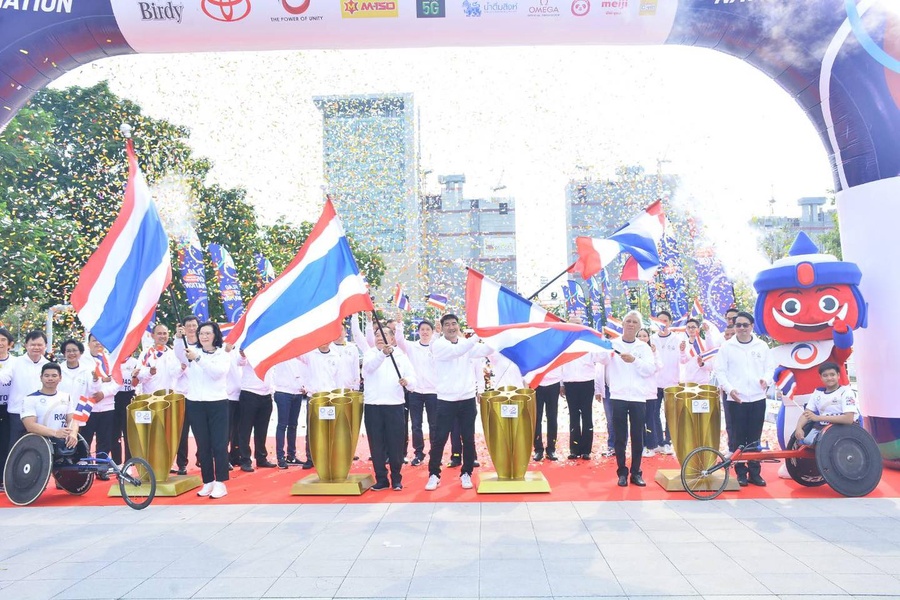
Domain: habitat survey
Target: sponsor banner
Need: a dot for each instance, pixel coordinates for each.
(232, 25)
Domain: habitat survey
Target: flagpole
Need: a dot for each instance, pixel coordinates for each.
(384, 337)
(549, 283)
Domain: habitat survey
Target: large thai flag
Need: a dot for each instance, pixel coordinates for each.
(120, 285)
(639, 238)
(537, 348)
(488, 303)
(303, 307)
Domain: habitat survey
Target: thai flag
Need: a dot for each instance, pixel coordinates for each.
(488, 304)
(303, 307)
(697, 347)
(613, 328)
(696, 310)
(120, 285)
(633, 271)
(638, 238)
(83, 410)
(786, 383)
(658, 323)
(401, 300)
(226, 328)
(706, 355)
(437, 301)
(537, 348)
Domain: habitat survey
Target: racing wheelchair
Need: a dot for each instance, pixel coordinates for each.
(846, 457)
(34, 458)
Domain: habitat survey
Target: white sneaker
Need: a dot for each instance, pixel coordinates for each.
(218, 490)
(667, 449)
(433, 482)
(648, 453)
(206, 490)
(609, 452)
(466, 481)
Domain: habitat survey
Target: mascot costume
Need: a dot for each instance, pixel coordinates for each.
(810, 303)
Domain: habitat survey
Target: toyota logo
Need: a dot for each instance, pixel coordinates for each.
(295, 10)
(227, 10)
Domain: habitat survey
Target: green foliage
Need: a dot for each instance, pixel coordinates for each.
(830, 241)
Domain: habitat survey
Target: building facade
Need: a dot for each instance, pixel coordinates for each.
(370, 158)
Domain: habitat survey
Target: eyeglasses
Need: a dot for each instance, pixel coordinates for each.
(742, 325)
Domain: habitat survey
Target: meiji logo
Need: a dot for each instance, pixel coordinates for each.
(46, 6)
(543, 9)
(614, 7)
(161, 12)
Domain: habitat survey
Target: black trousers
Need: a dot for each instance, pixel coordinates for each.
(181, 458)
(234, 435)
(16, 429)
(747, 420)
(624, 410)
(256, 409)
(547, 396)
(209, 422)
(4, 433)
(120, 435)
(101, 425)
(580, 397)
(729, 422)
(418, 405)
(386, 431)
(447, 412)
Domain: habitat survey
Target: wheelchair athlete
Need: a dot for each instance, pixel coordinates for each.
(833, 403)
(49, 412)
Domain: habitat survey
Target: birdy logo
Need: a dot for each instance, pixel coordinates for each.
(151, 11)
(352, 9)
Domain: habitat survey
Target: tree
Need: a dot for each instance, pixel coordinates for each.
(830, 241)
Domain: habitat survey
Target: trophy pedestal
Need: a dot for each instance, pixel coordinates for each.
(533, 483)
(175, 485)
(355, 485)
(670, 480)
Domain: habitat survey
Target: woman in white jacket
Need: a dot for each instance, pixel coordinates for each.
(206, 408)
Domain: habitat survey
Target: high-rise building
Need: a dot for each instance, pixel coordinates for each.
(777, 233)
(475, 232)
(371, 173)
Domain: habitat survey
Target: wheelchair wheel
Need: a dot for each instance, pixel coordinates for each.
(849, 460)
(804, 471)
(695, 476)
(68, 475)
(27, 469)
(137, 480)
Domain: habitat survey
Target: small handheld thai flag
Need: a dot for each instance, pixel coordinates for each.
(401, 301)
(613, 328)
(696, 309)
(658, 323)
(786, 383)
(83, 410)
(709, 354)
(437, 301)
(152, 355)
(697, 348)
(102, 369)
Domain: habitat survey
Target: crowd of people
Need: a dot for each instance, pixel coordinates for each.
(432, 380)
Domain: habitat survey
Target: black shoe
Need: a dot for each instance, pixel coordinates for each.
(585, 457)
(551, 455)
(757, 480)
(638, 481)
(292, 460)
(103, 476)
(247, 468)
(405, 460)
(380, 487)
(455, 461)
(181, 471)
(282, 464)
(357, 458)
(230, 468)
(742, 480)
(475, 463)
(307, 465)
(398, 487)
(265, 464)
(417, 461)
(572, 456)
(623, 481)
(537, 456)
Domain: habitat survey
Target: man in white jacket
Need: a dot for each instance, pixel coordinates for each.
(453, 356)
(744, 370)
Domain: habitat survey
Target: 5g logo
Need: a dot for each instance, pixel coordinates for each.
(430, 9)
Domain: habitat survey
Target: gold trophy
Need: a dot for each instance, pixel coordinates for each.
(508, 417)
(153, 426)
(335, 419)
(693, 413)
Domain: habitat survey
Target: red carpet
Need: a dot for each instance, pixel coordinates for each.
(592, 480)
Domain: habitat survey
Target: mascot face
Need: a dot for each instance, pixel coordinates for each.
(796, 314)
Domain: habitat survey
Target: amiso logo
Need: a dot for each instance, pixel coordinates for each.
(161, 12)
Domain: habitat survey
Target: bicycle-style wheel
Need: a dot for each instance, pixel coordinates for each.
(695, 475)
(137, 480)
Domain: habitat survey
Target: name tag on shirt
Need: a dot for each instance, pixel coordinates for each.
(326, 413)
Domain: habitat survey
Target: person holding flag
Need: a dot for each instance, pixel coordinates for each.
(101, 423)
(668, 349)
(160, 369)
(77, 373)
(422, 395)
(696, 363)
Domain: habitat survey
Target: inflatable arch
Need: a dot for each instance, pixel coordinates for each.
(839, 59)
